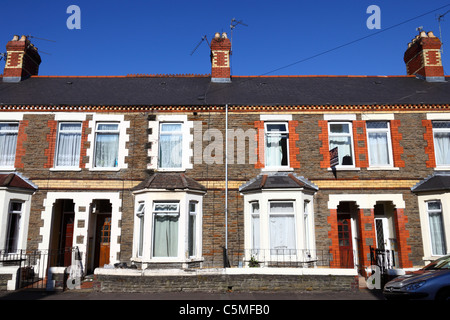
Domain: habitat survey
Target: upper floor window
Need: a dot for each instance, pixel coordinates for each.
(340, 137)
(106, 145)
(379, 143)
(68, 144)
(170, 145)
(441, 135)
(276, 144)
(8, 143)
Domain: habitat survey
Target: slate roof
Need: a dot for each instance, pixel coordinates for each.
(437, 182)
(11, 180)
(199, 90)
(277, 180)
(169, 181)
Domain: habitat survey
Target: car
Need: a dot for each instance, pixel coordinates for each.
(432, 282)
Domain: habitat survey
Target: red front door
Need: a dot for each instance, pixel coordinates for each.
(345, 242)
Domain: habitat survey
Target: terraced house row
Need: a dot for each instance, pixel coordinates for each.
(191, 171)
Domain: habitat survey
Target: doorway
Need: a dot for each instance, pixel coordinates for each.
(345, 241)
(62, 232)
(100, 234)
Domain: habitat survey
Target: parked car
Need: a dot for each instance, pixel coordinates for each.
(432, 282)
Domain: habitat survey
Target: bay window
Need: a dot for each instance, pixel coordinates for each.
(437, 235)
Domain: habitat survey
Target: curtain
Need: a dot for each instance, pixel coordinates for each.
(170, 146)
(107, 150)
(8, 142)
(437, 233)
(378, 147)
(442, 147)
(69, 142)
(282, 227)
(344, 149)
(165, 236)
(273, 151)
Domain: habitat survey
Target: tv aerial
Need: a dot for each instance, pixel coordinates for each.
(439, 19)
(234, 23)
(40, 51)
(204, 38)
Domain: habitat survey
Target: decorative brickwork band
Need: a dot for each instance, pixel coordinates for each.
(259, 126)
(429, 149)
(323, 137)
(21, 139)
(402, 236)
(51, 140)
(397, 149)
(361, 153)
(293, 149)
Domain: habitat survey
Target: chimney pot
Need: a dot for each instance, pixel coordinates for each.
(15, 38)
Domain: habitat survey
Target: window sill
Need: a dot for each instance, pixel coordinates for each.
(276, 169)
(442, 168)
(383, 168)
(171, 169)
(345, 169)
(65, 169)
(104, 169)
(7, 169)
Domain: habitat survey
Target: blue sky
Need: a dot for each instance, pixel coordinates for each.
(157, 37)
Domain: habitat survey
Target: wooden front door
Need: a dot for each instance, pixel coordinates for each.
(345, 241)
(103, 240)
(67, 239)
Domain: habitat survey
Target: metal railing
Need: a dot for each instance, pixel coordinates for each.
(293, 258)
(33, 265)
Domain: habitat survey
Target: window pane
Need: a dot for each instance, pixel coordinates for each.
(441, 124)
(434, 205)
(69, 142)
(376, 125)
(276, 127)
(166, 207)
(171, 127)
(442, 147)
(165, 240)
(378, 148)
(170, 151)
(281, 207)
(12, 239)
(344, 149)
(282, 233)
(339, 128)
(107, 126)
(8, 142)
(437, 233)
(255, 232)
(107, 150)
(276, 151)
(191, 235)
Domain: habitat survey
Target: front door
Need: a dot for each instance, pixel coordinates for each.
(66, 239)
(103, 240)
(345, 241)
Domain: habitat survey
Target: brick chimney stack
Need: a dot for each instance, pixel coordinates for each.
(220, 58)
(423, 57)
(22, 60)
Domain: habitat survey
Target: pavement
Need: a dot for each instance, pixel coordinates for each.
(359, 294)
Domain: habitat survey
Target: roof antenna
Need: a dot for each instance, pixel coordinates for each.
(2, 56)
(204, 38)
(30, 36)
(234, 23)
(439, 19)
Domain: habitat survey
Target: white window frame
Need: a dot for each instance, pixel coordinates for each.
(387, 131)
(350, 134)
(170, 133)
(192, 215)
(140, 231)
(12, 212)
(290, 251)
(440, 130)
(267, 134)
(443, 235)
(255, 243)
(115, 132)
(149, 198)
(57, 145)
(16, 132)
